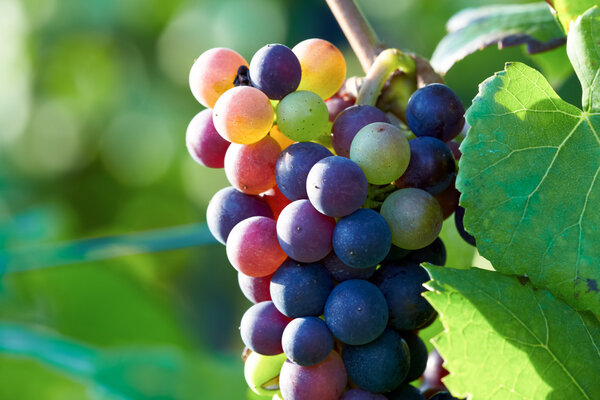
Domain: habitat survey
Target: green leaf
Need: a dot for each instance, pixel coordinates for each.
(509, 25)
(583, 48)
(529, 183)
(568, 10)
(505, 340)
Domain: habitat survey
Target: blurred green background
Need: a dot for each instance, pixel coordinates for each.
(93, 113)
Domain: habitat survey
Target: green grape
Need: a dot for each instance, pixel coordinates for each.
(382, 151)
(262, 372)
(414, 216)
(303, 116)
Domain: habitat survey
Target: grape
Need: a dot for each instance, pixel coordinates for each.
(396, 254)
(434, 372)
(359, 394)
(228, 207)
(418, 355)
(262, 327)
(406, 392)
(431, 167)
(455, 147)
(336, 186)
(276, 200)
(402, 285)
(459, 215)
(284, 141)
(304, 233)
(261, 372)
(342, 272)
(435, 253)
(307, 341)
(356, 312)
(378, 366)
(349, 122)
(204, 143)
(382, 152)
(300, 290)
(337, 104)
(323, 67)
(275, 70)
(255, 289)
(362, 239)
(435, 110)
(293, 165)
(212, 74)
(448, 199)
(324, 381)
(414, 217)
(253, 248)
(302, 116)
(243, 115)
(250, 168)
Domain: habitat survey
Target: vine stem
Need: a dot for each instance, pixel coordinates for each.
(361, 36)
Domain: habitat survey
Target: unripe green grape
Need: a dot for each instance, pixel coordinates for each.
(414, 216)
(303, 116)
(382, 152)
(262, 373)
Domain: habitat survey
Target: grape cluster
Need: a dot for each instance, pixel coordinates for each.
(330, 211)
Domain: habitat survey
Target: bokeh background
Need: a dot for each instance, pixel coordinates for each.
(93, 111)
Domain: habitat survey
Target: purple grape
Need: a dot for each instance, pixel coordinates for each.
(443, 396)
(349, 122)
(356, 312)
(304, 233)
(293, 165)
(307, 341)
(300, 290)
(431, 166)
(262, 327)
(255, 289)
(435, 253)
(324, 381)
(336, 186)
(435, 110)
(379, 366)
(342, 272)
(459, 216)
(418, 355)
(362, 239)
(204, 143)
(402, 285)
(275, 70)
(228, 207)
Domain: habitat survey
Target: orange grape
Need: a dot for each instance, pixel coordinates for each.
(243, 115)
(323, 67)
(213, 73)
(283, 140)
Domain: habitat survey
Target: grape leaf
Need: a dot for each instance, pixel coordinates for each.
(508, 25)
(505, 340)
(529, 176)
(568, 10)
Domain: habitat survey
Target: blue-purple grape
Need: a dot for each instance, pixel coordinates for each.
(435, 110)
(293, 165)
(336, 186)
(275, 70)
(362, 239)
(379, 366)
(349, 122)
(300, 290)
(459, 216)
(342, 272)
(262, 327)
(356, 312)
(418, 355)
(228, 207)
(307, 341)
